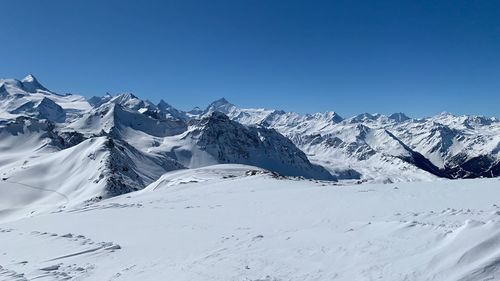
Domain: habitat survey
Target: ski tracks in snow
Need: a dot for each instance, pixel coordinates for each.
(62, 195)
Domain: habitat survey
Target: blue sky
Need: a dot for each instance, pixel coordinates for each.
(418, 57)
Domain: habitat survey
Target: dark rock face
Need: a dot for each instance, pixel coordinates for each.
(125, 174)
(480, 166)
(231, 142)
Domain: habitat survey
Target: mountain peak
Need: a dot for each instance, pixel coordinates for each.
(195, 111)
(446, 113)
(126, 99)
(97, 101)
(125, 96)
(334, 116)
(221, 105)
(30, 78)
(222, 102)
(364, 117)
(399, 117)
(163, 104)
(169, 111)
(31, 84)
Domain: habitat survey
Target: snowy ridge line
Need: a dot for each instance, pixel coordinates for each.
(105, 146)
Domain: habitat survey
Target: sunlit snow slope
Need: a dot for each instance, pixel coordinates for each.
(232, 222)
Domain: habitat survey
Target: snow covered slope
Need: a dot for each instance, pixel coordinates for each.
(40, 165)
(93, 169)
(224, 223)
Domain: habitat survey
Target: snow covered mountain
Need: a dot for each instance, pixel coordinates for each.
(140, 140)
(385, 148)
(461, 146)
(219, 140)
(28, 97)
(100, 147)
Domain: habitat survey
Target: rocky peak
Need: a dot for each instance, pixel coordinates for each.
(31, 84)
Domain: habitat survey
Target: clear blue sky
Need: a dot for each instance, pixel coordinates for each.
(419, 57)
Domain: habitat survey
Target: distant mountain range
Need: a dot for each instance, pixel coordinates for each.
(105, 146)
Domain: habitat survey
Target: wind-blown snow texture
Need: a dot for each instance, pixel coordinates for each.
(235, 222)
(118, 188)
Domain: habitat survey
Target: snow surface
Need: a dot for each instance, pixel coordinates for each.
(236, 222)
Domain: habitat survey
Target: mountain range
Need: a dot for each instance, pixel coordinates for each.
(90, 148)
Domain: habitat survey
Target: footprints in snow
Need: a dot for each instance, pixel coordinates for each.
(11, 275)
(93, 207)
(53, 266)
(81, 239)
(447, 219)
